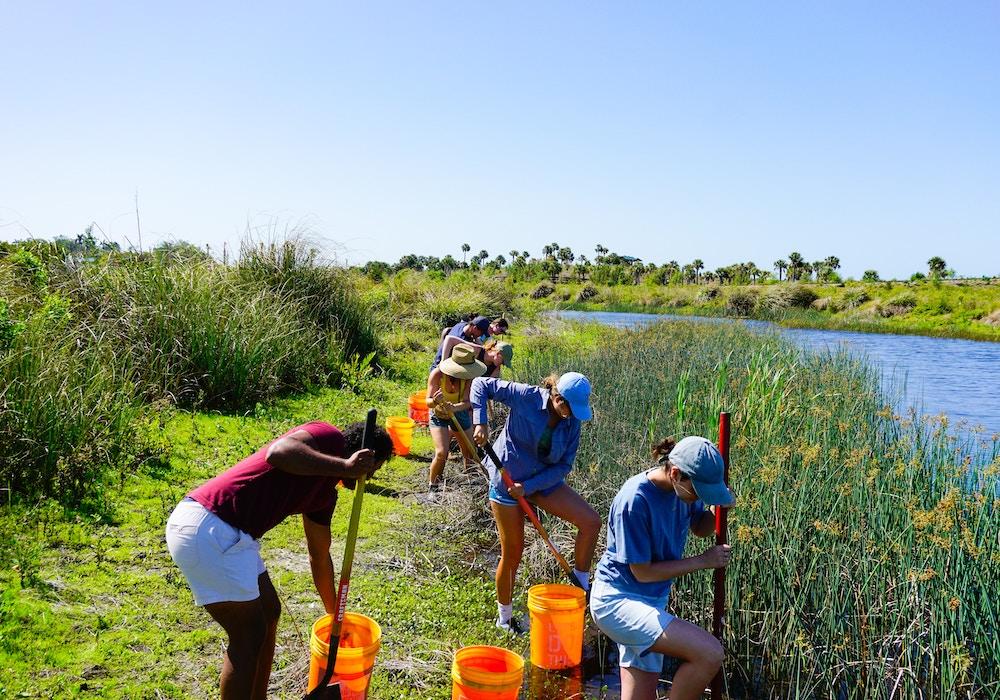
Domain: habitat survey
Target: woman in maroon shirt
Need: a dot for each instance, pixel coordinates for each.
(213, 536)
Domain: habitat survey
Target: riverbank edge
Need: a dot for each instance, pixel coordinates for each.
(791, 319)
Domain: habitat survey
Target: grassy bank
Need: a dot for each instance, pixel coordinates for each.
(863, 563)
(948, 309)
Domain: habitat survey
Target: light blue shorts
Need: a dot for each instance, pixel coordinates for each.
(634, 622)
(498, 495)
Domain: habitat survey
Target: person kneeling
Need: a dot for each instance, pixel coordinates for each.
(647, 531)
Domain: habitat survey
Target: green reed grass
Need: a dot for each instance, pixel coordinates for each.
(866, 558)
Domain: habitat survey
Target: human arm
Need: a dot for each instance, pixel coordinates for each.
(449, 343)
(298, 454)
(318, 541)
(556, 472)
(713, 558)
(703, 522)
(485, 389)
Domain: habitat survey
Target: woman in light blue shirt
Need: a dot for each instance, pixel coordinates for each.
(647, 530)
(537, 447)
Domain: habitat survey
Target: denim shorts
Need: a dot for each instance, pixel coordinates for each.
(498, 495)
(219, 561)
(634, 622)
(464, 420)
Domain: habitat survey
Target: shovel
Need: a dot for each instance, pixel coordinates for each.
(525, 506)
(325, 691)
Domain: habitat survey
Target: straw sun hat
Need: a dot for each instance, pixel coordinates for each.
(463, 363)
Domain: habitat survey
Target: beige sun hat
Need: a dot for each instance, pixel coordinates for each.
(463, 363)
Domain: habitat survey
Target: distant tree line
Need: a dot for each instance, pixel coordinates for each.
(558, 262)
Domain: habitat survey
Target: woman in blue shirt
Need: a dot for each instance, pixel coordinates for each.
(647, 530)
(537, 447)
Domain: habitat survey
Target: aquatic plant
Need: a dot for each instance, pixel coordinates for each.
(866, 562)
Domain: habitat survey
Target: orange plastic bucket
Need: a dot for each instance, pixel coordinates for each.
(401, 431)
(418, 407)
(360, 639)
(486, 673)
(556, 612)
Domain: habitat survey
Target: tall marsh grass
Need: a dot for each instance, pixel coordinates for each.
(84, 344)
(866, 556)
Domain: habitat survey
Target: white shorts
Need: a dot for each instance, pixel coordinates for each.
(634, 622)
(219, 561)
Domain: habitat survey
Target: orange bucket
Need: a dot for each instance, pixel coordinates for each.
(401, 431)
(556, 612)
(360, 639)
(486, 673)
(418, 407)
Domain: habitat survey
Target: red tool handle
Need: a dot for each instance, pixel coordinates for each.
(721, 537)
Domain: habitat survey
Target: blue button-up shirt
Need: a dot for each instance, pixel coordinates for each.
(517, 444)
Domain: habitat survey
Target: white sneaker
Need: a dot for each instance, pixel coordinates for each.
(513, 625)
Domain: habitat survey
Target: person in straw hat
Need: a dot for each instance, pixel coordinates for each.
(448, 394)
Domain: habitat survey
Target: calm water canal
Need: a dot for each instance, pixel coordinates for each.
(960, 378)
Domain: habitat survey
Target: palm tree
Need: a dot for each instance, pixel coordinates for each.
(698, 266)
(936, 266)
(780, 266)
(795, 265)
(566, 255)
(465, 249)
(817, 268)
(547, 251)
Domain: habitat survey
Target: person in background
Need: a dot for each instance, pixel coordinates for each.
(647, 531)
(465, 331)
(494, 353)
(448, 387)
(214, 533)
(537, 447)
(498, 326)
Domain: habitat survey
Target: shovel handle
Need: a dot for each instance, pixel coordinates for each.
(324, 691)
(525, 506)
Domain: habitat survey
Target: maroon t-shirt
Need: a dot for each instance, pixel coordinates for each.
(254, 496)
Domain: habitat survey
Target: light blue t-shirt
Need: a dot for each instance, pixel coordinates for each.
(646, 524)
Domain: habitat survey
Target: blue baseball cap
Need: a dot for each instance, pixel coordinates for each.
(575, 388)
(701, 461)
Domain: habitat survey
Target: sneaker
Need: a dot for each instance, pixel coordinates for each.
(513, 625)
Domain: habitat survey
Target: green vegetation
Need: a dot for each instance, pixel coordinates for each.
(800, 293)
(866, 564)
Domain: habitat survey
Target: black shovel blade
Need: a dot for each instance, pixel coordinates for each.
(325, 692)
(329, 692)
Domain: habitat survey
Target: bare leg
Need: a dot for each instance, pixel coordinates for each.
(246, 625)
(510, 527)
(638, 685)
(567, 504)
(272, 610)
(441, 437)
(700, 652)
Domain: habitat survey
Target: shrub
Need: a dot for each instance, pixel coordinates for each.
(906, 300)
(742, 302)
(543, 290)
(789, 296)
(824, 304)
(708, 294)
(855, 298)
(587, 293)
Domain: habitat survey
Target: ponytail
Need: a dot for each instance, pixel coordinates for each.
(661, 451)
(550, 383)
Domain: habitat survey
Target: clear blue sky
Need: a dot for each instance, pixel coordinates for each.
(665, 130)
